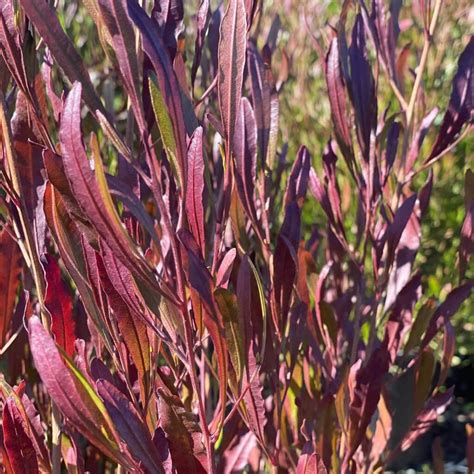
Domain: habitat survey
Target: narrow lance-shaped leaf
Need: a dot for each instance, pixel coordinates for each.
(59, 304)
(91, 191)
(446, 310)
(166, 78)
(260, 75)
(245, 152)
(114, 13)
(10, 263)
(231, 60)
(43, 16)
(362, 88)
(461, 103)
(195, 190)
(75, 399)
(181, 431)
(165, 126)
(130, 426)
(227, 304)
(133, 330)
(337, 98)
(18, 445)
(202, 18)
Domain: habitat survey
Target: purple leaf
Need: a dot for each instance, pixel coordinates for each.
(466, 247)
(245, 152)
(445, 311)
(461, 104)
(71, 397)
(237, 458)
(337, 98)
(262, 85)
(434, 406)
(365, 384)
(362, 88)
(298, 179)
(202, 18)
(400, 320)
(130, 426)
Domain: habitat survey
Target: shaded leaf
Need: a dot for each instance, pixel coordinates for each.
(11, 264)
(130, 426)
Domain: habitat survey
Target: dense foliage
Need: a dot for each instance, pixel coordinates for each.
(181, 294)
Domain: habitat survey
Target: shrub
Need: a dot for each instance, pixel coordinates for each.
(179, 317)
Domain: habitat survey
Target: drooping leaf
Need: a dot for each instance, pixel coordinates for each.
(59, 304)
(130, 427)
(435, 406)
(446, 310)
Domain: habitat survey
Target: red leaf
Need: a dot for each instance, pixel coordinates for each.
(10, 263)
(310, 462)
(20, 449)
(72, 399)
(59, 304)
(195, 190)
